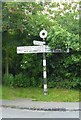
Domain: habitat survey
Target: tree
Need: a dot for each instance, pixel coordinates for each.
(15, 21)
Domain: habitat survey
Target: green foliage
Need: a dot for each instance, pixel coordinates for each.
(75, 83)
(60, 39)
(21, 80)
(67, 15)
(8, 80)
(69, 21)
(64, 70)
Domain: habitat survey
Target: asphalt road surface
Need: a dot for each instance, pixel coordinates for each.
(19, 113)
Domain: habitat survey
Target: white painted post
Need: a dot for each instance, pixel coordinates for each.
(44, 74)
(43, 35)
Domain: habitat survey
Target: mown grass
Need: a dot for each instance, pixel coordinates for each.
(57, 95)
(0, 92)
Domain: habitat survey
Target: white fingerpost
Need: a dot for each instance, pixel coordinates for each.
(40, 48)
(43, 35)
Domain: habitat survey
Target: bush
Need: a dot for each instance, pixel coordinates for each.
(36, 82)
(72, 83)
(21, 81)
(33, 82)
(8, 79)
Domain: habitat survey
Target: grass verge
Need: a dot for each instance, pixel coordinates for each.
(56, 95)
(0, 92)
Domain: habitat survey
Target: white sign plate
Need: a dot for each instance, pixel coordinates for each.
(32, 49)
(38, 42)
(38, 49)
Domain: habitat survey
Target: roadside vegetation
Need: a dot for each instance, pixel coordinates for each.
(0, 92)
(36, 94)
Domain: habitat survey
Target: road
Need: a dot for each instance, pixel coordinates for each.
(18, 113)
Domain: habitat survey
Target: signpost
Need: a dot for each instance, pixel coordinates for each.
(40, 47)
(43, 35)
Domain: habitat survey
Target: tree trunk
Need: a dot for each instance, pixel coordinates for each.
(7, 64)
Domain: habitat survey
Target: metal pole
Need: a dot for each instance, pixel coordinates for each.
(44, 73)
